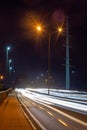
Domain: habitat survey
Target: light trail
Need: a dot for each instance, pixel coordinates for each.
(72, 94)
(55, 101)
(41, 100)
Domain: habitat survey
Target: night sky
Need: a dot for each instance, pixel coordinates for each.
(29, 52)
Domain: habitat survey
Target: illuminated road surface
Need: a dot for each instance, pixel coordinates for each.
(51, 117)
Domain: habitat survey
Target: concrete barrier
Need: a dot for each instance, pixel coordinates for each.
(4, 94)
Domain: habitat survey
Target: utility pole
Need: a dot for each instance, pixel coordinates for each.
(49, 64)
(67, 56)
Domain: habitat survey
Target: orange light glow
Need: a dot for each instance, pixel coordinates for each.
(38, 28)
(1, 77)
(60, 30)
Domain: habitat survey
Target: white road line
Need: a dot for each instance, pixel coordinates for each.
(62, 122)
(64, 114)
(50, 113)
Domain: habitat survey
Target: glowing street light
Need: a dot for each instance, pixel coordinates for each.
(39, 28)
(60, 29)
(8, 48)
(10, 68)
(10, 61)
(1, 77)
(7, 51)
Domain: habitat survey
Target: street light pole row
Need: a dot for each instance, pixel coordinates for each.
(8, 66)
(39, 29)
(7, 51)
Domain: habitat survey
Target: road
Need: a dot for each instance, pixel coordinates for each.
(49, 116)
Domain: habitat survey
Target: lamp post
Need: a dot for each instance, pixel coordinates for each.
(7, 62)
(59, 30)
(10, 68)
(7, 51)
(39, 30)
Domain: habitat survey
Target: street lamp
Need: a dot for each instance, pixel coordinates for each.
(7, 50)
(7, 62)
(39, 29)
(1, 77)
(10, 69)
(60, 29)
(10, 61)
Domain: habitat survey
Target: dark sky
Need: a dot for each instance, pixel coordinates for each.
(30, 55)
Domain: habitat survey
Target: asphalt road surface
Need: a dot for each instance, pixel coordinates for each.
(53, 118)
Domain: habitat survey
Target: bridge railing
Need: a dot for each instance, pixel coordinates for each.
(4, 94)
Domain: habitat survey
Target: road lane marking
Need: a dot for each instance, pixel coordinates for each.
(34, 128)
(62, 122)
(64, 114)
(41, 108)
(34, 118)
(50, 113)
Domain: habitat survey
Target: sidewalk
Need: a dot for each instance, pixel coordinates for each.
(11, 115)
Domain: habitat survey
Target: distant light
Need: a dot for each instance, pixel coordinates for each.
(10, 68)
(73, 71)
(37, 77)
(8, 48)
(10, 61)
(60, 30)
(42, 75)
(1, 77)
